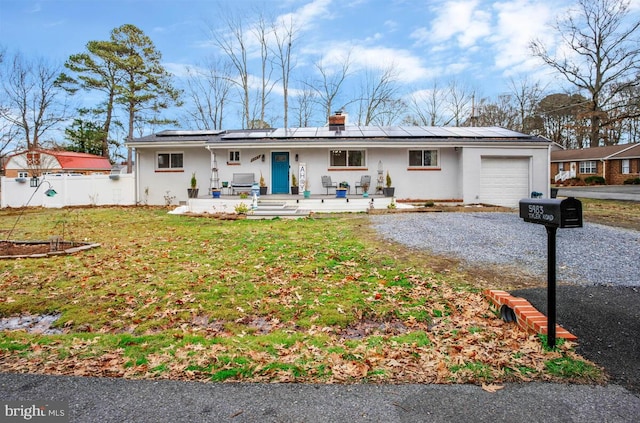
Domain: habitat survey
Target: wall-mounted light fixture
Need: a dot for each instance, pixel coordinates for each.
(263, 158)
(296, 157)
(33, 182)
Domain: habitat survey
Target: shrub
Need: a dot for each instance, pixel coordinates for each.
(241, 208)
(572, 182)
(594, 180)
(632, 181)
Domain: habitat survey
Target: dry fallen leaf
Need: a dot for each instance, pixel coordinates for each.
(492, 388)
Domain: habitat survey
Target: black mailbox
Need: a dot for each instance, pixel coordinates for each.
(552, 212)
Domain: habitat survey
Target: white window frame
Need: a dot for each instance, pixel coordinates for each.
(23, 174)
(363, 164)
(589, 167)
(234, 156)
(170, 167)
(422, 165)
(626, 166)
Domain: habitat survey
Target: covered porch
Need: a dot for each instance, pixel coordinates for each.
(284, 205)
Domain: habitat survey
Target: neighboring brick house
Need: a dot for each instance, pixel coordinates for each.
(615, 163)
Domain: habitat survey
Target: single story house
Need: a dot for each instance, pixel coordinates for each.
(37, 162)
(471, 165)
(615, 163)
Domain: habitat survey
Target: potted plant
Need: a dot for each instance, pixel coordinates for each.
(306, 193)
(294, 185)
(193, 191)
(215, 192)
(365, 190)
(389, 191)
(341, 191)
(263, 185)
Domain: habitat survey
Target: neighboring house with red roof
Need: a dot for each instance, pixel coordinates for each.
(39, 162)
(615, 163)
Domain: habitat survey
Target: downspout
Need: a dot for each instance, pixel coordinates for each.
(604, 170)
(137, 178)
(212, 159)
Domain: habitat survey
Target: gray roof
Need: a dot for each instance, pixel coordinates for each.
(369, 134)
(597, 153)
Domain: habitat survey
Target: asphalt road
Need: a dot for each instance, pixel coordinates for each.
(116, 400)
(606, 320)
(603, 192)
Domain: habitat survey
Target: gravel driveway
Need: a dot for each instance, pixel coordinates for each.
(592, 255)
(601, 305)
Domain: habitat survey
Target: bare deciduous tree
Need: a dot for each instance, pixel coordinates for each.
(500, 113)
(328, 87)
(526, 95)
(379, 102)
(261, 31)
(32, 98)
(426, 107)
(231, 40)
(458, 102)
(209, 89)
(285, 35)
(559, 114)
(304, 105)
(605, 55)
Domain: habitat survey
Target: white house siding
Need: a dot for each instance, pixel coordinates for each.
(458, 176)
(472, 160)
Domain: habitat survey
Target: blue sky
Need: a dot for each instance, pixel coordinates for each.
(476, 42)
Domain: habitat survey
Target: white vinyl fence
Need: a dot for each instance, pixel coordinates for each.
(71, 190)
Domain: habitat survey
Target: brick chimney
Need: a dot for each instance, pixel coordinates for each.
(337, 121)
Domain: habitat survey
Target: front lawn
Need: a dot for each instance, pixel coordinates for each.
(313, 300)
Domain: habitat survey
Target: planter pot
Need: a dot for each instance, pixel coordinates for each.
(307, 194)
(192, 192)
(215, 193)
(554, 192)
(365, 195)
(295, 190)
(21, 180)
(263, 190)
(388, 192)
(114, 177)
(341, 193)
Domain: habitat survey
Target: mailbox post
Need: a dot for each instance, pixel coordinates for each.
(553, 214)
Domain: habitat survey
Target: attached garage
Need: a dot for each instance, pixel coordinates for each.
(504, 180)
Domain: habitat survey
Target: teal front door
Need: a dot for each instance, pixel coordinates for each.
(280, 172)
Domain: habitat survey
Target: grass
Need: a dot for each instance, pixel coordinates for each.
(313, 300)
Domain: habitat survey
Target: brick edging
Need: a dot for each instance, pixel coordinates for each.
(527, 317)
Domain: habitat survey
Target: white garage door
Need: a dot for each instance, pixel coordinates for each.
(504, 180)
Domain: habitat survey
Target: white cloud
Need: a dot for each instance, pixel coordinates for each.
(461, 21)
(518, 23)
(410, 67)
(307, 15)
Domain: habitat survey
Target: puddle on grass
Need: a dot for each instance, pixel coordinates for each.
(40, 323)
